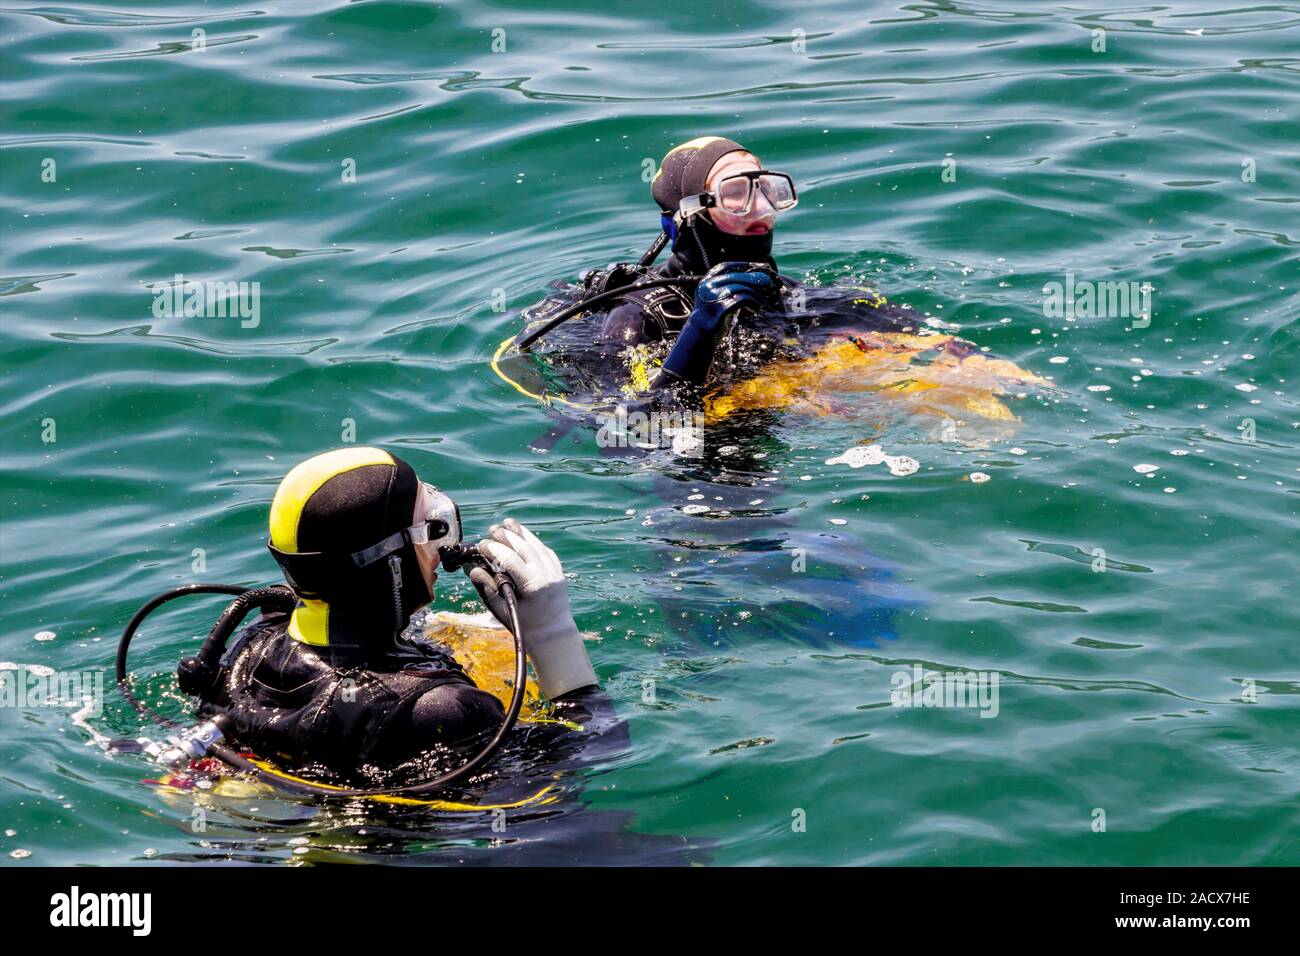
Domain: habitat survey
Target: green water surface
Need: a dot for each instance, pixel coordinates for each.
(1161, 692)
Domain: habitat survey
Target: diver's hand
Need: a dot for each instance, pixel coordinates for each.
(551, 636)
(727, 286)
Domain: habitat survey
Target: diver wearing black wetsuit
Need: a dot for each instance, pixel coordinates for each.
(837, 600)
(696, 313)
(335, 682)
(718, 206)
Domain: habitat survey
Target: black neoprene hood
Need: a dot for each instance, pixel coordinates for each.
(685, 169)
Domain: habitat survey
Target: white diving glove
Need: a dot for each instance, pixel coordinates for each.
(554, 644)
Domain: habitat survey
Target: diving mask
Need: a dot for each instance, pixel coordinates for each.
(438, 528)
(735, 193)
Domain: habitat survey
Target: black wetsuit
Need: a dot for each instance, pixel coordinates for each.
(652, 315)
(289, 701)
(657, 315)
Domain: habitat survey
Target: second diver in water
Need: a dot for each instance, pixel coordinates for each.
(719, 294)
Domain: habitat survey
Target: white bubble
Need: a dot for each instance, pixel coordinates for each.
(901, 466)
(859, 455)
(687, 443)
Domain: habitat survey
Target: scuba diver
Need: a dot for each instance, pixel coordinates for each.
(719, 208)
(334, 681)
(720, 292)
(716, 328)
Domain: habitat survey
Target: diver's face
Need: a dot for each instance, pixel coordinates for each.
(761, 218)
(427, 556)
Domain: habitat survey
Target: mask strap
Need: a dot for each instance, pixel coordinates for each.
(394, 542)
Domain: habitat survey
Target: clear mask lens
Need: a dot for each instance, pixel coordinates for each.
(440, 527)
(735, 194)
(779, 191)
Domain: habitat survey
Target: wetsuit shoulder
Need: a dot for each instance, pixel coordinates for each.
(648, 315)
(625, 324)
(454, 712)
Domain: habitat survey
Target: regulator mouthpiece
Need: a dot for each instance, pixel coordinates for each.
(454, 557)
